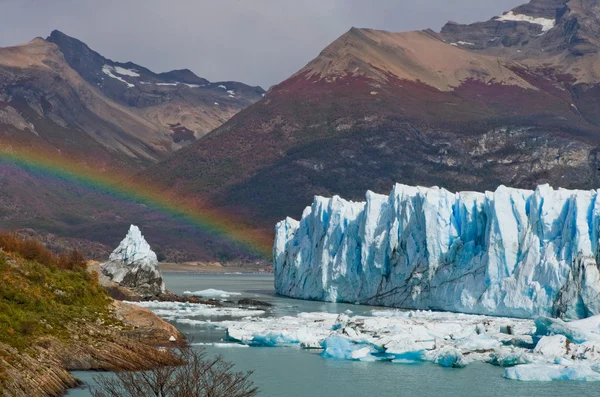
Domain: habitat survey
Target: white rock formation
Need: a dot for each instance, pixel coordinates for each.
(133, 264)
(511, 252)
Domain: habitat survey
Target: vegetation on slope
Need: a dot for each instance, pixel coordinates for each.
(41, 292)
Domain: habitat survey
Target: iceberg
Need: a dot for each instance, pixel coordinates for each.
(549, 372)
(133, 264)
(511, 252)
(212, 293)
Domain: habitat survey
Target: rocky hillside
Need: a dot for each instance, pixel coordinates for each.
(513, 101)
(55, 317)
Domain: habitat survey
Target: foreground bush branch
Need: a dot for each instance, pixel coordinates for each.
(198, 377)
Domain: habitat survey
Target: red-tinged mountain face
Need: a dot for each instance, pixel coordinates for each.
(420, 108)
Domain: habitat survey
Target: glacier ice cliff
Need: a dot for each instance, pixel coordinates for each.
(133, 264)
(512, 252)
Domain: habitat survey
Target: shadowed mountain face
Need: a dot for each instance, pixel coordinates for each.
(514, 100)
(178, 101)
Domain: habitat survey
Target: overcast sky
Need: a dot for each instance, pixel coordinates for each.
(259, 42)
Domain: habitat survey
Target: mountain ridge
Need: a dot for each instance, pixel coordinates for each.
(376, 108)
(51, 113)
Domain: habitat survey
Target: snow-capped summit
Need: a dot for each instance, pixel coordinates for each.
(512, 252)
(133, 264)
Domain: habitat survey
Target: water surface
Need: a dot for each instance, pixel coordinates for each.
(291, 372)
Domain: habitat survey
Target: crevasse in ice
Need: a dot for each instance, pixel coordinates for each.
(511, 252)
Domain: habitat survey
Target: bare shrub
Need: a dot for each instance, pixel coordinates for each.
(198, 377)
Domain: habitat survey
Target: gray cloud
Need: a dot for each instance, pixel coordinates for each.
(259, 42)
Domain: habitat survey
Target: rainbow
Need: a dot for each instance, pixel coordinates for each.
(192, 211)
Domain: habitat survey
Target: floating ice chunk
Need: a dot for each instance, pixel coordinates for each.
(577, 331)
(183, 310)
(337, 346)
(222, 345)
(510, 357)
(479, 342)
(450, 357)
(550, 372)
(552, 346)
(212, 293)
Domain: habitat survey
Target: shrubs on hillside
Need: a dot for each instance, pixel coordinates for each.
(33, 250)
(42, 292)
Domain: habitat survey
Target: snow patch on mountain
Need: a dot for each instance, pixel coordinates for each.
(545, 23)
(108, 70)
(516, 253)
(126, 72)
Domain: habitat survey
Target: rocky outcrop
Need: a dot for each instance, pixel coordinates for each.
(133, 264)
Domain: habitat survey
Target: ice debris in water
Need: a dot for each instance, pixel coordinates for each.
(527, 350)
(212, 293)
(511, 252)
(194, 313)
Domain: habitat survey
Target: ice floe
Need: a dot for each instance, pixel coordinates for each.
(527, 348)
(212, 293)
(195, 313)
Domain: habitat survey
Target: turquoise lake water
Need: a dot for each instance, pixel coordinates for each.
(291, 372)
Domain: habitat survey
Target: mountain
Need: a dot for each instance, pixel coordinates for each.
(177, 101)
(59, 94)
(514, 100)
(63, 102)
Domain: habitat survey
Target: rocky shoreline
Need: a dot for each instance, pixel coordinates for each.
(132, 341)
(130, 337)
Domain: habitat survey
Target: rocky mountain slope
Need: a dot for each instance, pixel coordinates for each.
(55, 320)
(513, 101)
(59, 95)
(61, 101)
(178, 101)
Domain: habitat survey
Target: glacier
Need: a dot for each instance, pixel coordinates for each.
(511, 252)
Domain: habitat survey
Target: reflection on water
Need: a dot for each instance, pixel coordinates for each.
(291, 372)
